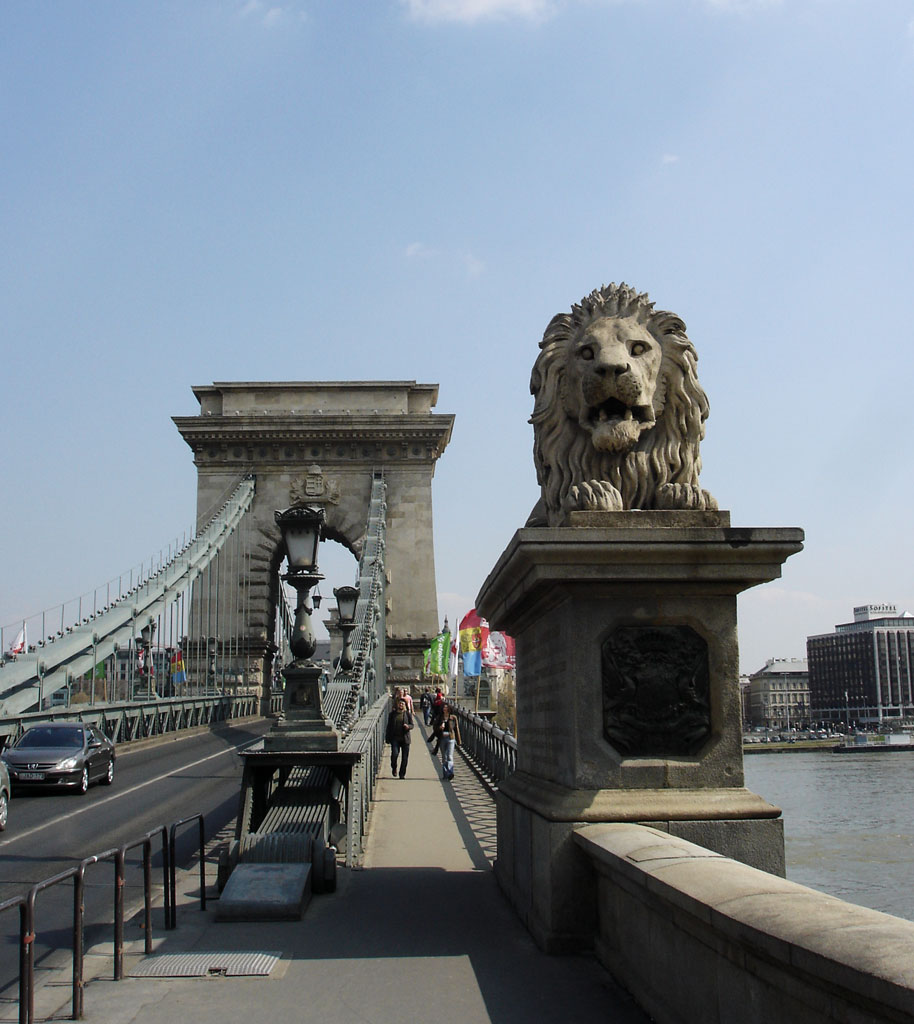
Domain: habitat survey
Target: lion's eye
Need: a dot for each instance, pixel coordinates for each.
(586, 352)
(639, 348)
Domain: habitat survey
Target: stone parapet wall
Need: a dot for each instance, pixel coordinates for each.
(694, 937)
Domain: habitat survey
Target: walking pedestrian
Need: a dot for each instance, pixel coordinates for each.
(449, 737)
(435, 721)
(399, 724)
(425, 702)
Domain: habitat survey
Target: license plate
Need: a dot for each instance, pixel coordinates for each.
(32, 776)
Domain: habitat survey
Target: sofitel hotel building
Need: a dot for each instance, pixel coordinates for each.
(862, 673)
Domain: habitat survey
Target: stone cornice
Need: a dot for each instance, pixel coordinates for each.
(402, 436)
(332, 442)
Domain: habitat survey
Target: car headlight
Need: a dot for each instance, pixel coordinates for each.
(71, 762)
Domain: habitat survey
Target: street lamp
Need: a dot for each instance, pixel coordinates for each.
(300, 527)
(346, 600)
(144, 650)
(304, 726)
(211, 648)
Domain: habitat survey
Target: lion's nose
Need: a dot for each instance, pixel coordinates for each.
(609, 368)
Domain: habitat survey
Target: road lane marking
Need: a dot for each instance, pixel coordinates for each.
(121, 793)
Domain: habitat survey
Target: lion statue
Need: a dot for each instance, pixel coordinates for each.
(618, 412)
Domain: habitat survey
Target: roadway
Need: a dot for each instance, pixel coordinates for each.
(154, 785)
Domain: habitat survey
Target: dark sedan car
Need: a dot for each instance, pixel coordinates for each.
(59, 754)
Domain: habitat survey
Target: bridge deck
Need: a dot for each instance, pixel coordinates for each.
(421, 933)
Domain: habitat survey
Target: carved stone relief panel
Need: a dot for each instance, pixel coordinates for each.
(656, 688)
(315, 486)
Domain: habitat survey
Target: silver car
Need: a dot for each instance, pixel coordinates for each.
(60, 754)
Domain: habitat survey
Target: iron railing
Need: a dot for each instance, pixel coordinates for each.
(134, 720)
(492, 750)
(366, 737)
(351, 692)
(27, 915)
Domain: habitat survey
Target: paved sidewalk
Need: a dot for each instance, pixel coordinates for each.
(421, 932)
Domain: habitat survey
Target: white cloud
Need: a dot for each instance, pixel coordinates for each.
(270, 15)
(419, 251)
(911, 30)
(472, 265)
(469, 11)
(475, 267)
(669, 158)
(742, 5)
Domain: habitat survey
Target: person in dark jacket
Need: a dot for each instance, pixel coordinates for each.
(399, 724)
(425, 702)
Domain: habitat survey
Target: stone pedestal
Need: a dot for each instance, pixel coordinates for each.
(303, 725)
(627, 697)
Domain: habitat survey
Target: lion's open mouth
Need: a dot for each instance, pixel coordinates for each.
(614, 411)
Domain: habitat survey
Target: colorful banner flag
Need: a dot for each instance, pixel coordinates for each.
(438, 654)
(473, 631)
(498, 651)
(178, 675)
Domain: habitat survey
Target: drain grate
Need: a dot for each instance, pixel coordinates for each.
(202, 965)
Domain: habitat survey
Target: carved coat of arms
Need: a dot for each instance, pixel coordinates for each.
(656, 691)
(314, 486)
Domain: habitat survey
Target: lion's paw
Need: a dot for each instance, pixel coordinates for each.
(594, 496)
(684, 496)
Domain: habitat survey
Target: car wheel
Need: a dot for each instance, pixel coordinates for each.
(108, 777)
(4, 810)
(84, 781)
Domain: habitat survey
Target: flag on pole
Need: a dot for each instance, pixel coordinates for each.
(178, 675)
(473, 633)
(452, 664)
(438, 654)
(498, 651)
(21, 643)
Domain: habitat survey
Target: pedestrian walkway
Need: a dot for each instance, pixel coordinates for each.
(421, 932)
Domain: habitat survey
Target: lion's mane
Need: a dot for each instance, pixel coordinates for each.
(661, 470)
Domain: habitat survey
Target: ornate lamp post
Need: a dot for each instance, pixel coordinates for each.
(304, 726)
(144, 651)
(115, 671)
(168, 685)
(211, 648)
(346, 600)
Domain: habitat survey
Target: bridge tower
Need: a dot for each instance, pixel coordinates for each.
(323, 442)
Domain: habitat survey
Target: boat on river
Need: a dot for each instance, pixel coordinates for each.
(868, 743)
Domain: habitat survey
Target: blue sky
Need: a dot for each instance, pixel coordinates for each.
(315, 190)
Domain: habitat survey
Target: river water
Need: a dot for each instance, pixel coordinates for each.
(848, 822)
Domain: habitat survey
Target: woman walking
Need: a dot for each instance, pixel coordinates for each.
(448, 737)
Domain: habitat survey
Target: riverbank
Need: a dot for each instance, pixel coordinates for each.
(796, 747)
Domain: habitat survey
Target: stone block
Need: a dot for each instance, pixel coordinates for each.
(265, 892)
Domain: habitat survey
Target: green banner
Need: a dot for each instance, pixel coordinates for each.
(439, 654)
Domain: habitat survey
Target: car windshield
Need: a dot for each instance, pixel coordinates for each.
(70, 736)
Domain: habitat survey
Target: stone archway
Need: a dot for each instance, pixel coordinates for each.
(322, 443)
